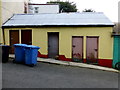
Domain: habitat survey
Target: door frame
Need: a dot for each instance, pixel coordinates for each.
(82, 46)
(10, 37)
(48, 41)
(97, 44)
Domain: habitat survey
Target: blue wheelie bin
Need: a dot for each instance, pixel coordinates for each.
(19, 53)
(31, 53)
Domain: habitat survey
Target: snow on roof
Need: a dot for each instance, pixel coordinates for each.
(60, 19)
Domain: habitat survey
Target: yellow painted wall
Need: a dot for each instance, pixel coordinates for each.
(0, 13)
(0, 21)
(65, 39)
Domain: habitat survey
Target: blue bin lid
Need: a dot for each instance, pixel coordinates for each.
(20, 45)
(32, 46)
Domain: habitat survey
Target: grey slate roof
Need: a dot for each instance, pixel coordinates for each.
(86, 18)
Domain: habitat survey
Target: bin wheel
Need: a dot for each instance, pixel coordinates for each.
(117, 65)
(14, 61)
(32, 65)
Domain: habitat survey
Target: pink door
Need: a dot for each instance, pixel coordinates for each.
(77, 48)
(92, 50)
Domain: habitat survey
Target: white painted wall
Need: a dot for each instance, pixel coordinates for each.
(7, 9)
(10, 7)
(44, 8)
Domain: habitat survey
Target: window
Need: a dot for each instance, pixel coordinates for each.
(36, 9)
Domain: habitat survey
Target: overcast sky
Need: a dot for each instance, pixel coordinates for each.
(109, 7)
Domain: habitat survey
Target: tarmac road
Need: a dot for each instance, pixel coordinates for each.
(46, 75)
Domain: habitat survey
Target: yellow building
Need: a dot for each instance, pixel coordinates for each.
(80, 37)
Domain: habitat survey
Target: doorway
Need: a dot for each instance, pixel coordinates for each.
(53, 44)
(26, 37)
(14, 39)
(77, 48)
(92, 50)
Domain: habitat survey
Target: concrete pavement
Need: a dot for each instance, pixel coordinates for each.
(53, 61)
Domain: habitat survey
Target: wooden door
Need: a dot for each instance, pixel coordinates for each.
(92, 50)
(14, 39)
(26, 37)
(77, 48)
(53, 45)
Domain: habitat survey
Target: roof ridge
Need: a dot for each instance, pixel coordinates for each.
(63, 13)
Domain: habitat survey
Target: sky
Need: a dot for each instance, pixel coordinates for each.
(108, 7)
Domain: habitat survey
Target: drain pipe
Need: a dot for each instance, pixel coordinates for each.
(3, 35)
